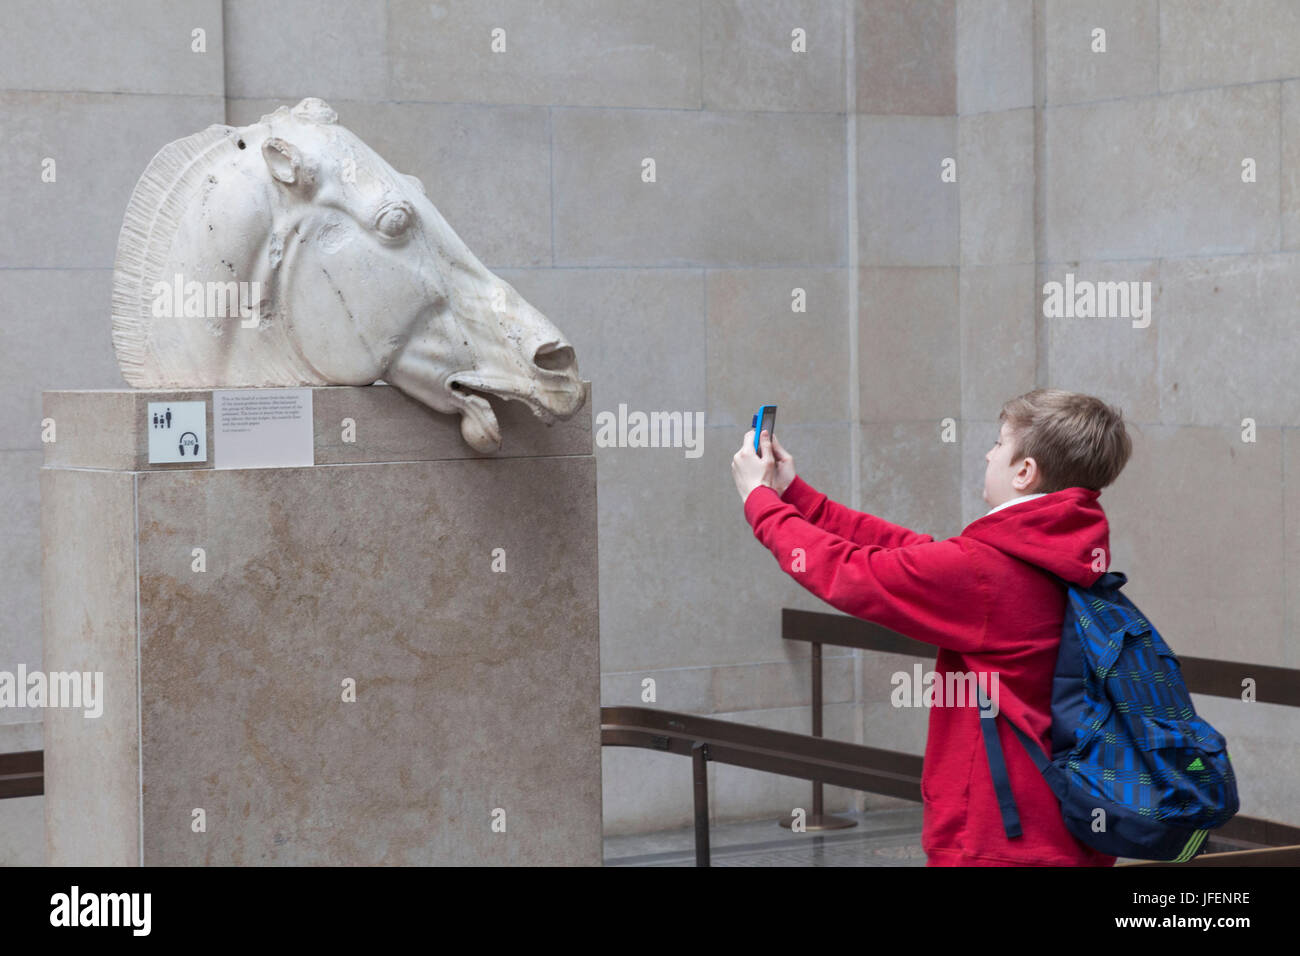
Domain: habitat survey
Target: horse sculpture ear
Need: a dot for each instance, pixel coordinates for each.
(283, 160)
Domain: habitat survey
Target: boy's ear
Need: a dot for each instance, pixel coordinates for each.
(1028, 472)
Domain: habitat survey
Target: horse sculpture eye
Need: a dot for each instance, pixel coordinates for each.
(394, 220)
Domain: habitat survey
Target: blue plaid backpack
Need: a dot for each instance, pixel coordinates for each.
(1137, 772)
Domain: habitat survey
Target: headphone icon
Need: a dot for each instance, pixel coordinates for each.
(194, 438)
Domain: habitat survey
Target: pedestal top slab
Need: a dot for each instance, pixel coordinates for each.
(108, 429)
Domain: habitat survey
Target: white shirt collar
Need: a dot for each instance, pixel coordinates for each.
(1015, 501)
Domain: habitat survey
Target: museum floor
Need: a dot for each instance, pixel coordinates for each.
(881, 838)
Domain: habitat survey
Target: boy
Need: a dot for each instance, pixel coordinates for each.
(983, 597)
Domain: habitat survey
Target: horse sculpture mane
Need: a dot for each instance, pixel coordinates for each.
(290, 253)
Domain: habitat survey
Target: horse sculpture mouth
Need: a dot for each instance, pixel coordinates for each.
(478, 388)
(421, 371)
(475, 396)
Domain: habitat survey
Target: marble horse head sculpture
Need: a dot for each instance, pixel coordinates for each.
(343, 271)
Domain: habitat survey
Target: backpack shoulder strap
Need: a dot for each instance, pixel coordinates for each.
(998, 765)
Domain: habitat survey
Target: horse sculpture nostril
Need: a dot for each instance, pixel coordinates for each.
(554, 358)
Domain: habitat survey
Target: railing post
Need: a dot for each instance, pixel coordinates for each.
(817, 720)
(818, 820)
(700, 771)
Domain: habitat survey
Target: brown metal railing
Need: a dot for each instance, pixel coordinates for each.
(22, 774)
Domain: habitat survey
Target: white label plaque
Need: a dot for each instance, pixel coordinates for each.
(263, 428)
(178, 431)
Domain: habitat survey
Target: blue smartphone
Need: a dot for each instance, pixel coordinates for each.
(765, 419)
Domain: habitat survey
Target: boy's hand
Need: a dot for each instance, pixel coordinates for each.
(750, 470)
(784, 467)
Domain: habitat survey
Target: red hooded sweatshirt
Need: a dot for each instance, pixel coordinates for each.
(984, 599)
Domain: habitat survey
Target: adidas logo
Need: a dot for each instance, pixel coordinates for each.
(1196, 765)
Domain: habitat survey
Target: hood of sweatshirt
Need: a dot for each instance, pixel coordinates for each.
(1057, 532)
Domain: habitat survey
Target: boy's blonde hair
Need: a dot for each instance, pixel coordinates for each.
(1077, 440)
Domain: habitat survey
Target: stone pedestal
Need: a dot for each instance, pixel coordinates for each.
(477, 691)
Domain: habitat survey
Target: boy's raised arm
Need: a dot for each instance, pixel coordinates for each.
(857, 526)
(931, 591)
